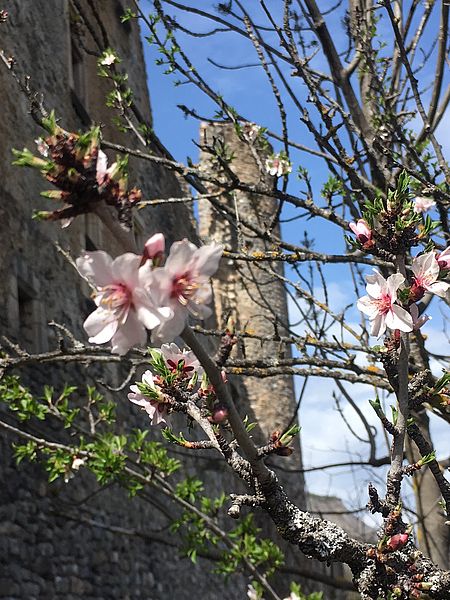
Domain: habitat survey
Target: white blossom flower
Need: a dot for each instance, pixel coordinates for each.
(125, 309)
(77, 463)
(421, 204)
(252, 594)
(379, 305)
(277, 165)
(362, 231)
(75, 466)
(157, 411)
(183, 285)
(173, 355)
(251, 131)
(426, 272)
(108, 59)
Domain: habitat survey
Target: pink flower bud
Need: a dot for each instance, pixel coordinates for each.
(219, 414)
(444, 259)
(362, 231)
(397, 541)
(154, 246)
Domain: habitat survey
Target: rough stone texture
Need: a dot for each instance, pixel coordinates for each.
(42, 554)
(255, 299)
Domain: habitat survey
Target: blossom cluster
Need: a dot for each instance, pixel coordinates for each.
(79, 170)
(135, 293)
(381, 304)
(278, 165)
(148, 393)
(251, 131)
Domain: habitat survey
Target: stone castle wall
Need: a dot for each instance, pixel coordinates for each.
(56, 540)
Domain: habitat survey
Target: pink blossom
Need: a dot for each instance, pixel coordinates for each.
(104, 173)
(102, 167)
(154, 246)
(277, 165)
(219, 414)
(397, 541)
(173, 355)
(417, 321)
(443, 259)
(125, 309)
(251, 131)
(426, 272)
(421, 204)
(108, 59)
(379, 305)
(157, 411)
(362, 231)
(183, 285)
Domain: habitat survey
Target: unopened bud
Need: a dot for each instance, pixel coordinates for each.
(154, 246)
(231, 326)
(234, 511)
(397, 541)
(284, 451)
(219, 414)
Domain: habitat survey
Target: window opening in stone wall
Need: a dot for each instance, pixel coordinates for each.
(139, 231)
(88, 305)
(78, 73)
(27, 332)
(89, 244)
(120, 10)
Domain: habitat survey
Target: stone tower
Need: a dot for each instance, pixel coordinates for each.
(248, 292)
(257, 302)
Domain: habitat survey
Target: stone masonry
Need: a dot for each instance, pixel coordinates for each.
(49, 547)
(73, 541)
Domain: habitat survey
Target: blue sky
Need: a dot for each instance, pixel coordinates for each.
(248, 91)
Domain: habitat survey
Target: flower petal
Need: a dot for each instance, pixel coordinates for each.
(100, 326)
(131, 333)
(378, 325)
(102, 165)
(393, 282)
(399, 318)
(96, 267)
(426, 265)
(170, 329)
(207, 258)
(440, 288)
(179, 257)
(125, 269)
(376, 284)
(367, 306)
